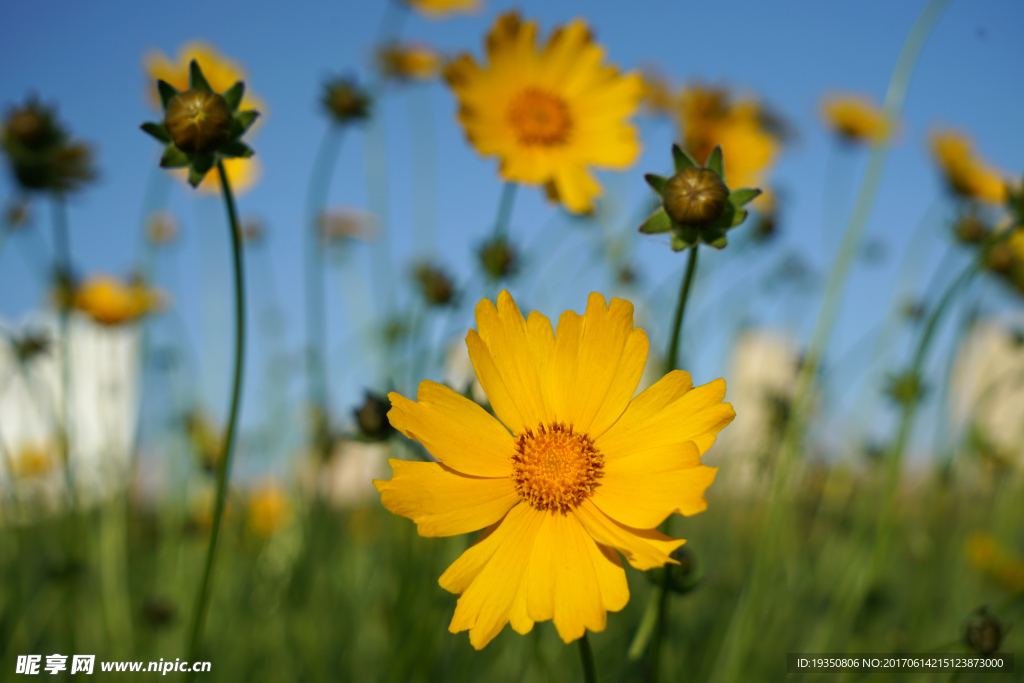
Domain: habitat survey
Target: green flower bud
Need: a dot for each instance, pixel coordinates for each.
(372, 417)
(984, 633)
(695, 196)
(436, 285)
(970, 230)
(345, 101)
(199, 122)
(32, 126)
(499, 258)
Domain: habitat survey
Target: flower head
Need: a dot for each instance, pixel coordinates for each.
(220, 72)
(109, 301)
(268, 510)
(853, 119)
(437, 9)
(574, 470)
(42, 155)
(409, 62)
(549, 113)
(696, 205)
(201, 128)
(966, 174)
(345, 101)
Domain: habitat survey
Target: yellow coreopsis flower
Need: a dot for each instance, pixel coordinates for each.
(548, 113)
(109, 301)
(967, 174)
(709, 118)
(221, 73)
(436, 9)
(410, 62)
(573, 471)
(269, 509)
(853, 118)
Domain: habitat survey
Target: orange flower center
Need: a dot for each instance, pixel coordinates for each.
(554, 468)
(540, 118)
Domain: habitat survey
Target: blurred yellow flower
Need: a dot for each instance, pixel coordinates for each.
(269, 509)
(436, 9)
(32, 461)
(995, 562)
(548, 113)
(966, 174)
(708, 118)
(410, 62)
(853, 118)
(109, 301)
(585, 470)
(221, 73)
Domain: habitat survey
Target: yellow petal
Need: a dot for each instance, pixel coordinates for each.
(563, 370)
(485, 606)
(610, 576)
(455, 430)
(649, 423)
(504, 334)
(644, 498)
(442, 501)
(643, 548)
(577, 596)
(462, 571)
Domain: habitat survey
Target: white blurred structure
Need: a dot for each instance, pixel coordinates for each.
(761, 383)
(346, 479)
(986, 390)
(102, 406)
(459, 372)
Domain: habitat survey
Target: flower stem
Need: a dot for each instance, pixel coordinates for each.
(62, 273)
(203, 597)
(587, 658)
(316, 310)
(677, 325)
(505, 204)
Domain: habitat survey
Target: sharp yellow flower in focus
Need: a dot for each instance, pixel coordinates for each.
(437, 9)
(708, 117)
(853, 118)
(966, 174)
(221, 73)
(109, 301)
(549, 113)
(584, 472)
(410, 62)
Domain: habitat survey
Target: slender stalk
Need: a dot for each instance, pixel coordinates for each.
(587, 659)
(224, 471)
(316, 309)
(677, 324)
(735, 646)
(62, 274)
(505, 204)
(662, 594)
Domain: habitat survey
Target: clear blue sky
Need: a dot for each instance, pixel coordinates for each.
(86, 57)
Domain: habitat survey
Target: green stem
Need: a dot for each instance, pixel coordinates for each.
(587, 658)
(661, 593)
(505, 204)
(677, 324)
(316, 309)
(62, 273)
(203, 597)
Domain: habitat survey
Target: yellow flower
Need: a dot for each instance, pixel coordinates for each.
(709, 118)
(109, 301)
(436, 9)
(410, 62)
(549, 113)
(33, 461)
(573, 470)
(268, 509)
(221, 73)
(967, 174)
(853, 118)
(995, 562)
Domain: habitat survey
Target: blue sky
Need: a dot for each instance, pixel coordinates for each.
(87, 58)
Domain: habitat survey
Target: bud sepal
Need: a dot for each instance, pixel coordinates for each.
(696, 205)
(201, 127)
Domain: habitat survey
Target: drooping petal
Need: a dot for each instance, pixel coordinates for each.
(643, 497)
(485, 606)
(455, 430)
(444, 502)
(643, 548)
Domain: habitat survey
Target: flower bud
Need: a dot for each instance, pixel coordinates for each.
(970, 230)
(1000, 259)
(695, 196)
(436, 285)
(984, 633)
(345, 101)
(199, 122)
(32, 126)
(372, 417)
(499, 258)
